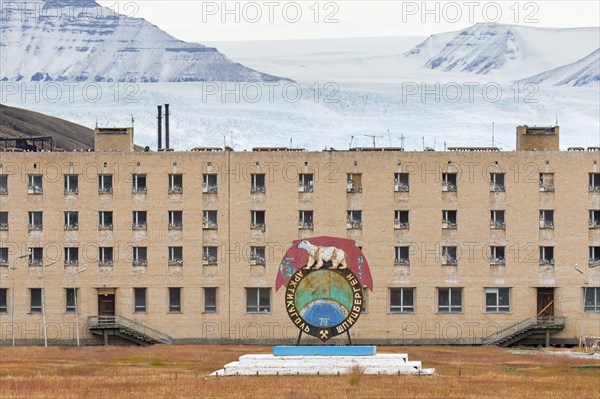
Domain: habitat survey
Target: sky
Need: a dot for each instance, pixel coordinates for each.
(199, 21)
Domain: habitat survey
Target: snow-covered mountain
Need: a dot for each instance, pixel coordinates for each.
(585, 72)
(82, 41)
(505, 50)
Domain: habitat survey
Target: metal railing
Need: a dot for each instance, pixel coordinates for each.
(130, 326)
(523, 325)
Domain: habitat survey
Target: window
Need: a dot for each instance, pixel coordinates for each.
(305, 220)
(209, 255)
(35, 300)
(71, 184)
(354, 184)
(139, 184)
(497, 300)
(257, 219)
(402, 300)
(258, 300)
(3, 300)
(3, 256)
(209, 183)
(449, 220)
(36, 221)
(592, 299)
(401, 220)
(139, 300)
(35, 184)
(175, 300)
(496, 181)
(175, 184)
(546, 181)
(497, 255)
(105, 220)
(497, 220)
(71, 256)
(449, 300)
(105, 256)
(400, 182)
(175, 220)
(71, 220)
(175, 256)
(449, 256)
(305, 183)
(594, 256)
(3, 184)
(36, 256)
(139, 220)
(594, 182)
(3, 221)
(140, 256)
(594, 219)
(71, 300)
(448, 181)
(209, 220)
(257, 256)
(546, 255)
(210, 300)
(546, 219)
(401, 256)
(105, 184)
(354, 220)
(257, 183)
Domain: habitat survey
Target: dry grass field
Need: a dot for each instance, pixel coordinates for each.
(182, 372)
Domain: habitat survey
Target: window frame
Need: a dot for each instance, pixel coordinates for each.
(140, 308)
(592, 306)
(498, 293)
(36, 220)
(3, 300)
(175, 307)
(71, 297)
(401, 219)
(401, 182)
(254, 224)
(39, 301)
(139, 256)
(35, 184)
(71, 184)
(70, 224)
(135, 223)
(172, 258)
(210, 255)
(212, 307)
(175, 219)
(258, 308)
(255, 184)
(451, 307)
(71, 255)
(303, 223)
(105, 183)
(173, 186)
(210, 183)
(106, 256)
(399, 260)
(105, 220)
(139, 183)
(401, 294)
(496, 186)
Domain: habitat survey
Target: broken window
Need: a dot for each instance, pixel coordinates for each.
(35, 184)
(401, 220)
(497, 220)
(139, 221)
(209, 220)
(105, 220)
(175, 184)
(594, 256)
(71, 256)
(209, 255)
(209, 183)
(139, 184)
(257, 183)
(546, 181)
(497, 255)
(449, 219)
(546, 219)
(71, 184)
(401, 182)
(401, 256)
(448, 181)
(175, 220)
(140, 256)
(546, 255)
(594, 219)
(3, 184)
(354, 183)
(305, 183)
(449, 256)
(36, 256)
(257, 219)
(105, 256)
(175, 256)
(354, 220)
(497, 182)
(257, 256)
(36, 221)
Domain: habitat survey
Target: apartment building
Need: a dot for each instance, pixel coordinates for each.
(186, 246)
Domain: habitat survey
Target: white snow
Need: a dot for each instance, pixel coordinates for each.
(584, 72)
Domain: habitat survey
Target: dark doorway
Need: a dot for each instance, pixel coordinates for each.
(106, 304)
(545, 302)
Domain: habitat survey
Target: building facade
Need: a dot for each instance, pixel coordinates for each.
(461, 243)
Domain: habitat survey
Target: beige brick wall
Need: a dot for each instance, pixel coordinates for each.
(330, 202)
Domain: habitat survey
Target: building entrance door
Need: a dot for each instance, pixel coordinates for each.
(106, 304)
(545, 302)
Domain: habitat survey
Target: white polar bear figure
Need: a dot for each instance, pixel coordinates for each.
(318, 254)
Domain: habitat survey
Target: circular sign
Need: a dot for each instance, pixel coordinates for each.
(324, 302)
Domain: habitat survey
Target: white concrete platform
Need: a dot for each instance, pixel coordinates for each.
(391, 364)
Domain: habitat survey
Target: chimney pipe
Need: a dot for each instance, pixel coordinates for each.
(159, 127)
(167, 126)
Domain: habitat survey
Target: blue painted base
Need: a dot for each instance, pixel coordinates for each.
(324, 350)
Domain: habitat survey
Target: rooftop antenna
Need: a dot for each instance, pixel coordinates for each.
(231, 137)
(493, 141)
(423, 138)
(434, 140)
(389, 137)
(444, 145)
(402, 141)
(556, 123)
(373, 137)
(132, 120)
(291, 143)
(224, 141)
(351, 140)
